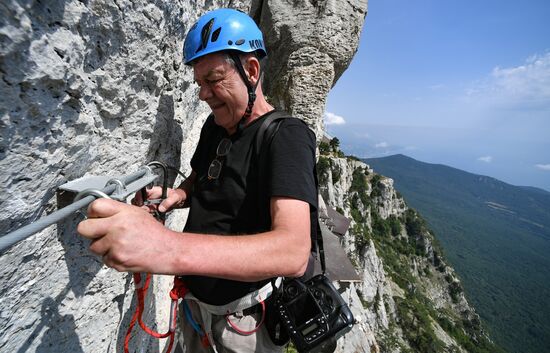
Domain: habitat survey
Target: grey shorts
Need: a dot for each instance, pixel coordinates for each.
(226, 339)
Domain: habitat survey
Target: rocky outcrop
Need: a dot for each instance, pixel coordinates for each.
(311, 43)
(409, 299)
(98, 87)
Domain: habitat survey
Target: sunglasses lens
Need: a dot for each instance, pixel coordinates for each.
(223, 147)
(215, 169)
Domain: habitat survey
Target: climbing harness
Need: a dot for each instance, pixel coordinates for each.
(239, 305)
(248, 333)
(179, 290)
(204, 338)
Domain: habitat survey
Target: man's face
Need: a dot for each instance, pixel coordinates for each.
(222, 88)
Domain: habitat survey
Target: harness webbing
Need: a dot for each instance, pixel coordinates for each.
(178, 291)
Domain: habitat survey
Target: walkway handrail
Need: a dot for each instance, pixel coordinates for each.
(22, 233)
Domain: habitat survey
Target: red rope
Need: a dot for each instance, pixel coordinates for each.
(247, 333)
(178, 291)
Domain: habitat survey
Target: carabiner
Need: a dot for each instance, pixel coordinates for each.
(160, 215)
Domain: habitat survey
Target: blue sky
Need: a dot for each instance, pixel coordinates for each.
(462, 83)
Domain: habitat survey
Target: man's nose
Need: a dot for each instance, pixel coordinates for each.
(205, 92)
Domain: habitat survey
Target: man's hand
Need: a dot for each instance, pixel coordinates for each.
(127, 237)
(174, 198)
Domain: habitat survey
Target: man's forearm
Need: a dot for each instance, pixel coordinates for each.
(283, 251)
(243, 258)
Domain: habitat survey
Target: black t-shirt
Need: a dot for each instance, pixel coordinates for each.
(230, 203)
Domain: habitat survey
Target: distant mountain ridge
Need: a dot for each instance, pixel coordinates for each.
(535, 189)
(496, 235)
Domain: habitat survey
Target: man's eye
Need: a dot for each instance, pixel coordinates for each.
(213, 82)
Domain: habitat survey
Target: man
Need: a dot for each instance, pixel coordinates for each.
(233, 244)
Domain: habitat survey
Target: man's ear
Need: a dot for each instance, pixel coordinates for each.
(252, 69)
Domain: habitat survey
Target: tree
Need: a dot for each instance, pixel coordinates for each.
(335, 144)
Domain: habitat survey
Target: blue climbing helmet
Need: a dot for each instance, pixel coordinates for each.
(223, 29)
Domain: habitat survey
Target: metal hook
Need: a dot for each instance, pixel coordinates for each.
(165, 176)
(92, 192)
(84, 215)
(148, 170)
(120, 186)
(89, 192)
(162, 215)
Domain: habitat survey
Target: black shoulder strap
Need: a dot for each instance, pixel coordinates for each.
(264, 137)
(261, 148)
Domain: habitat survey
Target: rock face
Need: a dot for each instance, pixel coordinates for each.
(87, 87)
(312, 43)
(408, 299)
(98, 87)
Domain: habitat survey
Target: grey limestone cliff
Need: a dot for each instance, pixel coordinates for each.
(92, 87)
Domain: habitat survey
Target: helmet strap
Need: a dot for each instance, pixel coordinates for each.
(250, 87)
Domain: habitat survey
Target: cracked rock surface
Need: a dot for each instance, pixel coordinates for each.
(98, 87)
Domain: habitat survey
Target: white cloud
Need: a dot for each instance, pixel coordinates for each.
(486, 159)
(527, 84)
(333, 119)
(382, 145)
(543, 166)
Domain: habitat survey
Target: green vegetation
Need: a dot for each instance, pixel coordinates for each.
(414, 224)
(417, 325)
(394, 250)
(331, 148)
(495, 235)
(336, 173)
(389, 341)
(324, 148)
(463, 330)
(359, 185)
(399, 241)
(397, 249)
(323, 167)
(417, 314)
(376, 186)
(455, 290)
(335, 144)
(395, 226)
(290, 348)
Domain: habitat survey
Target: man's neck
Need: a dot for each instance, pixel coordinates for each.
(261, 107)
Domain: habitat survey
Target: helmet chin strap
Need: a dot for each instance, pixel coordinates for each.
(250, 87)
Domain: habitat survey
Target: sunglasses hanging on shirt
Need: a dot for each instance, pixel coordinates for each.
(215, 168)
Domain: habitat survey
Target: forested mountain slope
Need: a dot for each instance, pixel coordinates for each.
(497, 237)
(412, 298)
